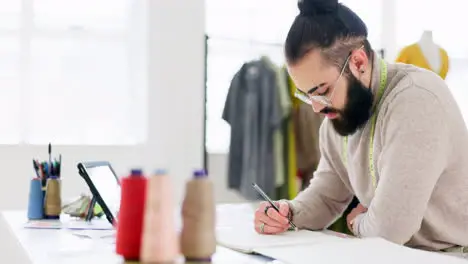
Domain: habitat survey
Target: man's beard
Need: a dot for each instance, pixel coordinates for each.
(357, 110)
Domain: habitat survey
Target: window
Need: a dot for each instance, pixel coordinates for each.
(101, 15)
(10, 11)
(10, 89)
(71, 72)
(244, 30)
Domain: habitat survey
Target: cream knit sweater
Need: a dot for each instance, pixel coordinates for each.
(421, 166)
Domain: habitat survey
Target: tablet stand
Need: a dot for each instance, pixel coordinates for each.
(90, 213)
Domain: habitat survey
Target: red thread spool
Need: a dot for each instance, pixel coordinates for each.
(130, 223)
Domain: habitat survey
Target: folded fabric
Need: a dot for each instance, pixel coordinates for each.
(79, 207)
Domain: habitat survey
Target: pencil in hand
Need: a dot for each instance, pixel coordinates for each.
(273, 205)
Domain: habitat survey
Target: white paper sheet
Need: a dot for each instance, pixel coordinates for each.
(95, 234)
(359, 251)
(245, 239)
(98, 224)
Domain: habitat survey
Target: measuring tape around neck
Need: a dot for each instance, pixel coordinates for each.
(383, 82)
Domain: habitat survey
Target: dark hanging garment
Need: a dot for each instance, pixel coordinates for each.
(252, 110)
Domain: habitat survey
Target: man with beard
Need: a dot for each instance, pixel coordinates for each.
(394, 137)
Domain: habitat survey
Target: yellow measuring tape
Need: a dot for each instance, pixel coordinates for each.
(383, 82)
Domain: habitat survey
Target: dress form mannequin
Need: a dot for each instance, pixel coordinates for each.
(426, 54)
(430, 50)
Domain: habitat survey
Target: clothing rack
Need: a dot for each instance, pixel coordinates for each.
(223, 38)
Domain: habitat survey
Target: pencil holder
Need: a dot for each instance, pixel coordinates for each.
(36, 200)
(53, 200)
(43, 187)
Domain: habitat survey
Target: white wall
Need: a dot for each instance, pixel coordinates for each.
(217, 167)
(175, 91)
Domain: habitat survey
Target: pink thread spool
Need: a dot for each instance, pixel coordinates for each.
(160, 243)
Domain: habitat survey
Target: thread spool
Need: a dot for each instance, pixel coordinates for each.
(198, 240)
(53, 199)
(130, 219)
(36, 200)
(160, 242)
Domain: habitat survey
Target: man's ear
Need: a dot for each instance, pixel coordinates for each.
(358, 62)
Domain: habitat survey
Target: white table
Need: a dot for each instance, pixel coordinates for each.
(57, 246)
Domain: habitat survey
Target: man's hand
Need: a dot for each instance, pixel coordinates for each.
(269, 221)
(359, 209)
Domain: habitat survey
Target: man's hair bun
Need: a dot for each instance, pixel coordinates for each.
(317, 7)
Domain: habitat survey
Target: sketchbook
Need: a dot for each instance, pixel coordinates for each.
(359, 251)
(245, 239)
(303, 247)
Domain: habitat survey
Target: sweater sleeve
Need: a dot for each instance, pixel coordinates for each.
(414, 154)
(326, 197)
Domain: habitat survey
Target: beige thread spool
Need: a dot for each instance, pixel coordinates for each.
(160, 241)
(198, 240)
(52, 200)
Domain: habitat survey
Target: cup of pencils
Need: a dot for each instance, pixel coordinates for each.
(48, 175)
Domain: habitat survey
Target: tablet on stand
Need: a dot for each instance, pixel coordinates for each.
(104, 186)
